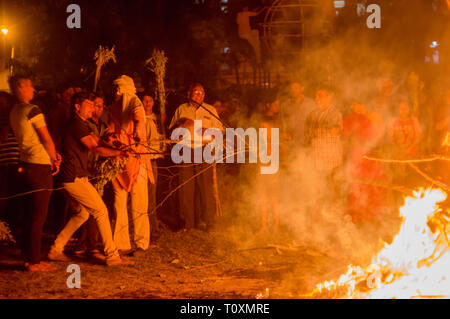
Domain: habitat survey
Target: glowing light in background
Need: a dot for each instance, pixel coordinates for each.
(434, 44)
(338, 4)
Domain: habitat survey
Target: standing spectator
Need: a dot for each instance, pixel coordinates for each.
(404, 132)
(127, 121)
(365, 201)
(60, 114)
(85, 199)
(323, 131)
(9, 161)
(38, 160)
(383, 103)
(98, 121)
(154, 140)
(293, 114)
(203, 184)
(381, 108)
(269, 184)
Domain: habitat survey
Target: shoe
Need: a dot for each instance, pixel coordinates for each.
(79, 252)
(118, 261)
(127, 252)
(57, 256)
(42, 266)
(139, 252)
(95, 254)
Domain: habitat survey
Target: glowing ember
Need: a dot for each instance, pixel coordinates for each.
(415, 265)
(263, 295)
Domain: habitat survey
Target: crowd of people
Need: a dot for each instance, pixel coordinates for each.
(362, 151)
(79, 147)
(68, 144)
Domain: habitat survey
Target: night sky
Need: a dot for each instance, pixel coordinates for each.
(193, 34)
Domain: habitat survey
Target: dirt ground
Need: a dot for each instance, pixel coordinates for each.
(232, 262)
(194, 264)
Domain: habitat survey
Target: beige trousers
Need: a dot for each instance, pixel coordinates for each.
(86, 201)
(139, 215)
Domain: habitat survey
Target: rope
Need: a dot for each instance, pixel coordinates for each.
(420, 160)
(414, 167)
(397, 188)
(216, 192)
(424, 175)
(39, 190)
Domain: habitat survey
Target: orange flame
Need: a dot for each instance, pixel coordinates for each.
(415, 265)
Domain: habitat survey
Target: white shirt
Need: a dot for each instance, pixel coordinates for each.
(188, 111)
(25, 119)
(154, 139)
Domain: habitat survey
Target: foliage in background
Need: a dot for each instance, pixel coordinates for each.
(5, 233)
(157, 64)
(56, 54)
(101, 57)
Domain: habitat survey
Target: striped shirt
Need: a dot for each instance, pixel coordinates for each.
(9, 151)
(327, 149)
(25, 119)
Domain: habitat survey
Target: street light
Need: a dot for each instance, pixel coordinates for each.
(5, 32)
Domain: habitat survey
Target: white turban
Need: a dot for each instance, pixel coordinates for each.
(132, 108)
(125, 85)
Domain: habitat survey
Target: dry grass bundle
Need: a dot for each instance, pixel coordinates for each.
(102, 56)
(157, 64)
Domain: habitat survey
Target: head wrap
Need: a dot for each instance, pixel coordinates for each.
(125, 85)
(132, 108)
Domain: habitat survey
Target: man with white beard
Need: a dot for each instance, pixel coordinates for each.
(127, 121)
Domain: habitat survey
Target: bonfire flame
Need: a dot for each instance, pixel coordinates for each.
(415, 265)
(262, 295)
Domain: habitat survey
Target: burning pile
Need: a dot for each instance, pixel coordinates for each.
(415, 265)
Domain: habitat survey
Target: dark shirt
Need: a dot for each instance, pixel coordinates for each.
(74, 153)
(97, 128)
